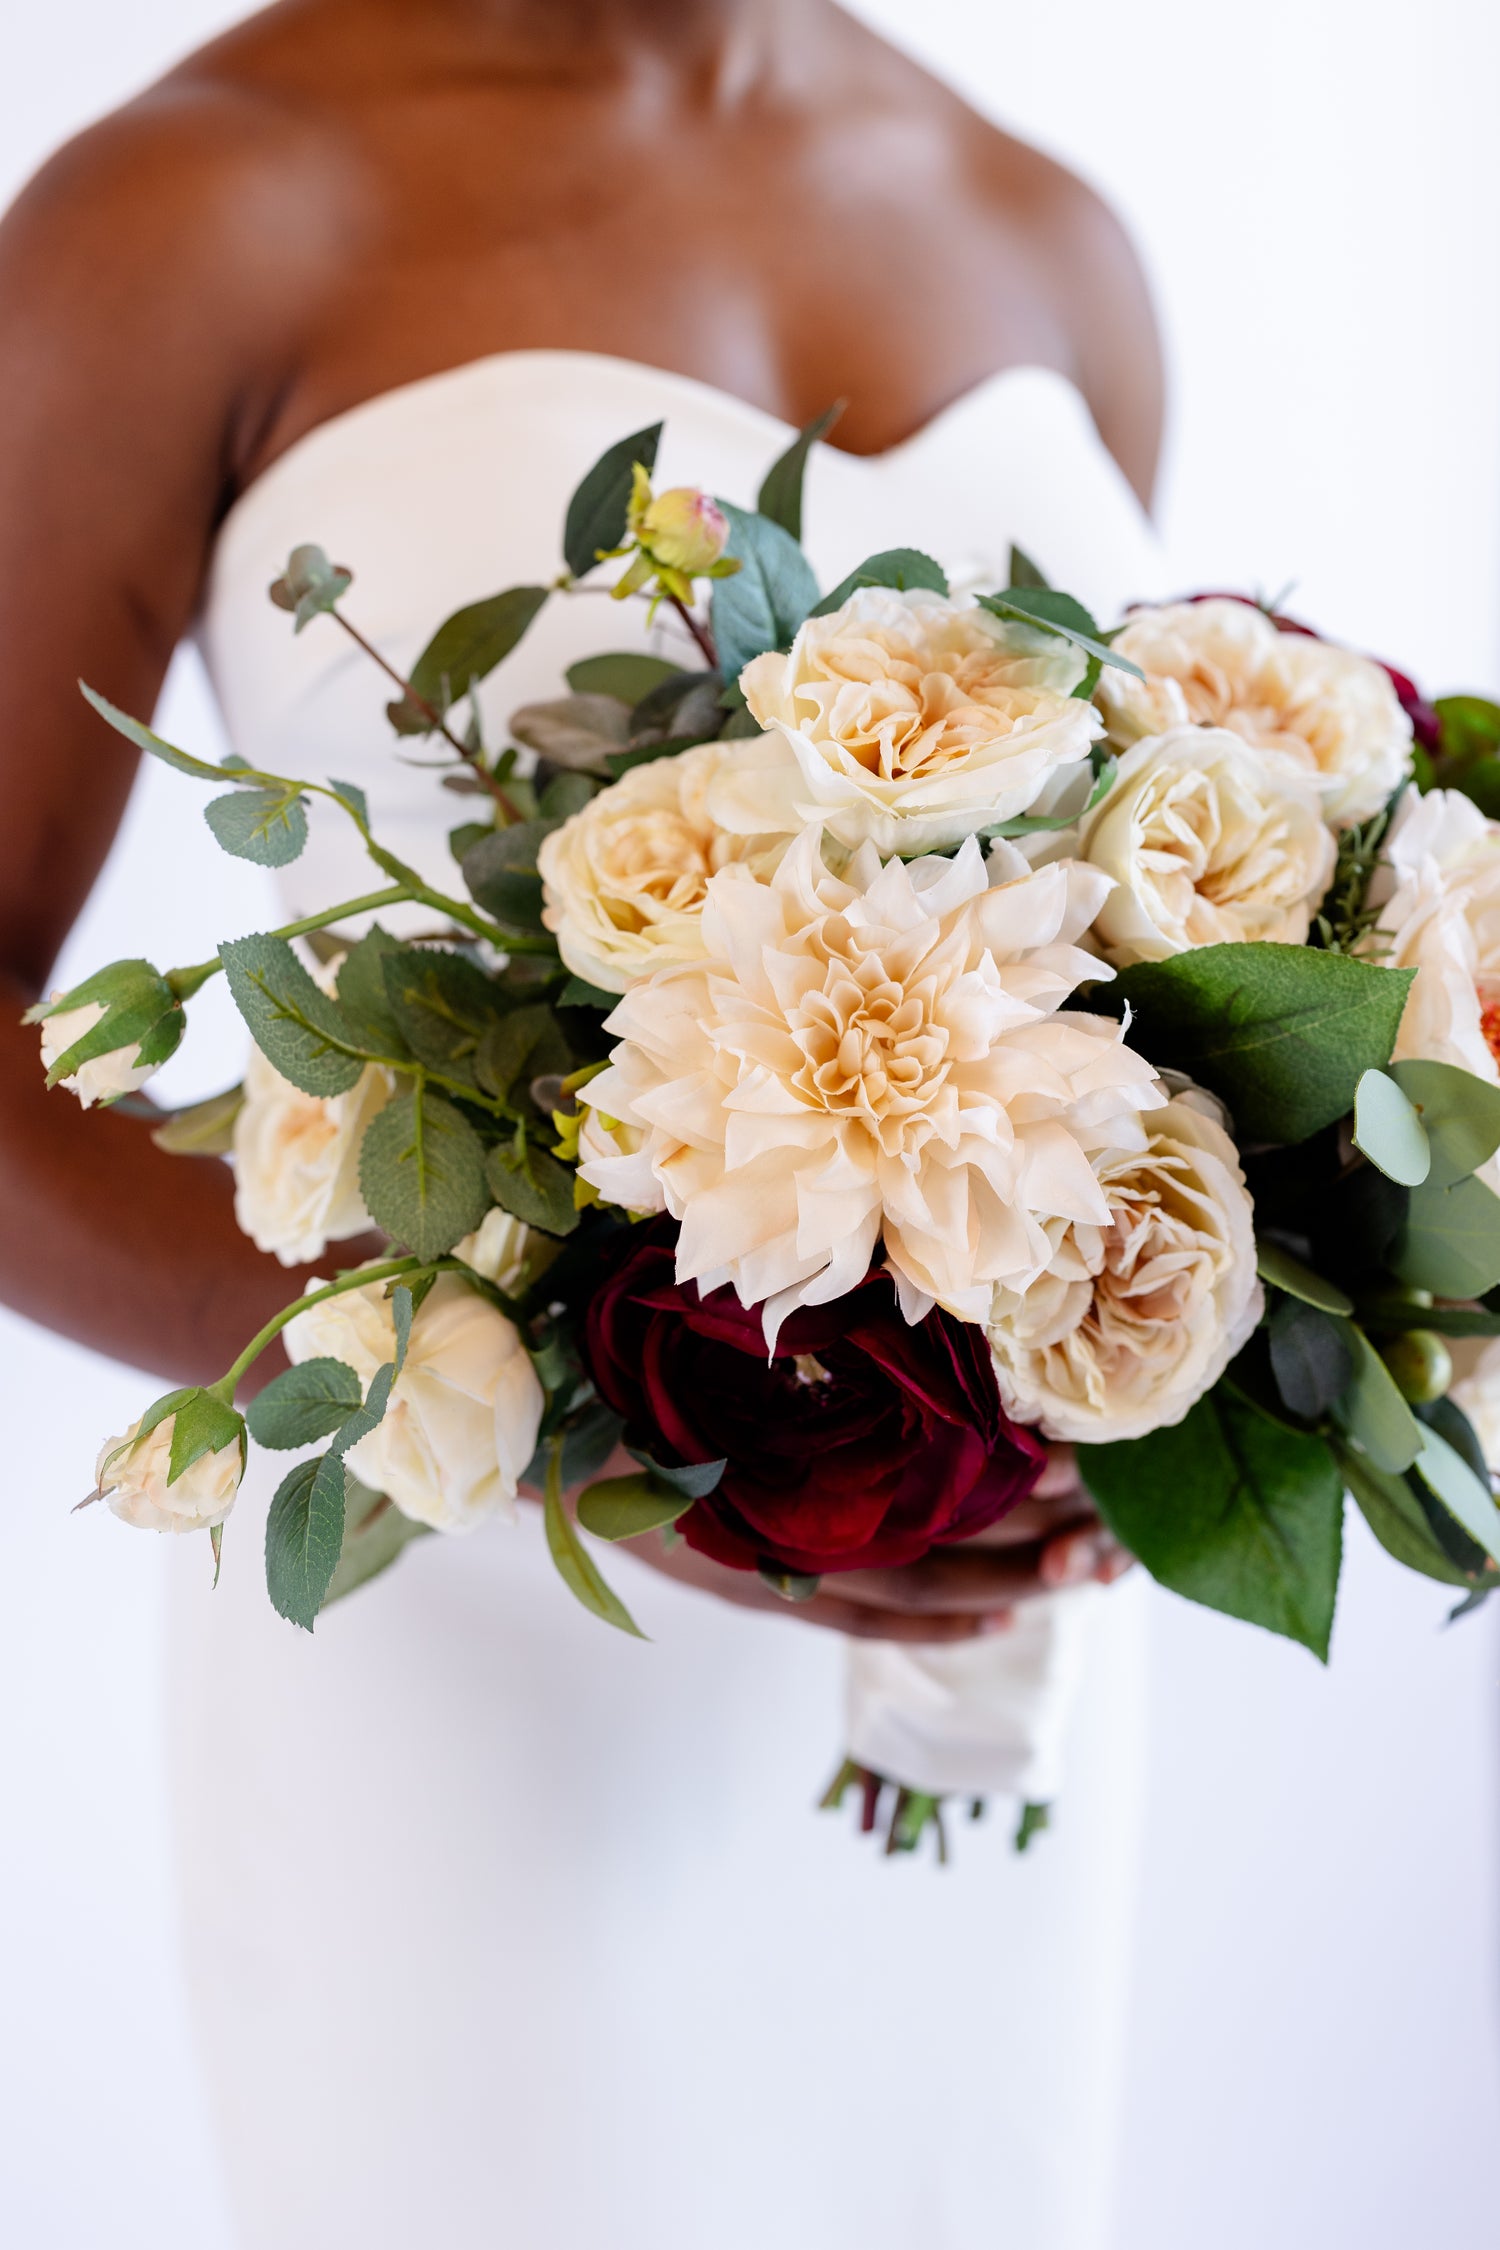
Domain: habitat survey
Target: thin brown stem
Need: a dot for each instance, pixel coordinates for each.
(435, 719)
(699, 631)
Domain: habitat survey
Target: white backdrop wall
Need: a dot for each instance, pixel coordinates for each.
(1314, 2045)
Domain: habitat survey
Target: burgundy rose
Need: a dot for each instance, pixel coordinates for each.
(861, 1441)
(1426, 725)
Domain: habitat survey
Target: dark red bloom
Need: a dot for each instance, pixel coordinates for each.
(1425, 722)
(862, 1442)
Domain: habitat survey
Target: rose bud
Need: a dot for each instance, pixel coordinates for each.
(134, 1476)
(109, 1034)
(684, 529)
(860, 1442)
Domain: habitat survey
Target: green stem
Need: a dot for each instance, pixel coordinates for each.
(394, 1269)
(185, 982)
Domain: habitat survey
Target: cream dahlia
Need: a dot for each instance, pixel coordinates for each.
(873, 1059)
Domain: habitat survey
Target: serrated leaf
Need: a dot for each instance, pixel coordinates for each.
(1023, 571)
(1450, 1242)
(768, 597)
(598, 513)
(308, 1402)
(1460, 1115)
(1280, 1268)
(578, 994)
(518, 1047)
(182, 761)
(296, 1027)
(442, 1005)
(538, 1189)
(363, 998)
(1282, 1033)
(780, 495)
(203, 1424)
(624, 1507)
(576, 1566)
(421, 1173)
(468, 645)
(629, 676)
(403, 1312)
(1310, 1358)
(501, 873)
(353, 796)
(1060, 614)
(905, 569)
(1388, 1130)
(304, 1536)
(204, 1129)
(375, 1533)
(1231, 1510)
(265, 826)
(1372, 1411)
(367, 1417)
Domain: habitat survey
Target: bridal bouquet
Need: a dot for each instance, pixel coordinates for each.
(887, 1031)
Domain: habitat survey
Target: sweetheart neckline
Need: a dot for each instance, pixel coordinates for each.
(400, 395)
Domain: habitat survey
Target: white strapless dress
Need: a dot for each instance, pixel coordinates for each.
(503, 1930)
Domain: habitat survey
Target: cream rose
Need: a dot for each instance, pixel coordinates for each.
(464, 1413)
(1135, 1318)
(625, 879)
(132, 1477)
(296, 1161)
(107, 1077)
(502, 1248)
(1438, 889)
(907, 721)
(1224, 664)
(877, 1059)
(1208, 843)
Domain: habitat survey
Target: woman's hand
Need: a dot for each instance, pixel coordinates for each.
(1052, 1540)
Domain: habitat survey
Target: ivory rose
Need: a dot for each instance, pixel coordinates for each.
(1135, 1318)
(1438, 889)
(106, 1077)
(503, 1249)
(296, 1161)
(906, 721)
(877, 1059)
(132, 1477)
(625, 878)
(1208, 843)
(1222, 663)
(464, 1413)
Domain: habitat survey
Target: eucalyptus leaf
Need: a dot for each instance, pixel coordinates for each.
(629, 675)
(1372, 1413)
(1450, 1242)
(1279, 1267)
(693, 1480)
(266, 826)
(599, 511)
(905, 569)
(182, 761)
(1460, 1114)
(768, 597)
(311, 585)
(780, 495)
(308, 1402)
(576, 993)
(1388, 1130)
(422, 1174)
(1449, 1478)
(304, 1537)
(296, 1027)
(579, 731)
(501, 873)
(577, 1568)
(467, 646)
(1282, 1033)
(1396, 1516)
(207, 1128)
(1230, 1509)
(1310, 1358)
(624, 1507)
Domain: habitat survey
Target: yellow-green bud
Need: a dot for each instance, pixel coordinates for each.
(1421, 1364)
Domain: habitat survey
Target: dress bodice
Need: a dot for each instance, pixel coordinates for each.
(450, 488)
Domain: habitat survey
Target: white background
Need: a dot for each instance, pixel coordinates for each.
(1314, 2054)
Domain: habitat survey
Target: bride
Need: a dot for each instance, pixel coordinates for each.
(499, 1929)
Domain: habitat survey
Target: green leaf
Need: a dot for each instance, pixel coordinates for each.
(1449, 1478)
(1310, 1358)
(308, 1402)
(350, 793)
(363, 998)
(768, 597)
(403, 1313)
(577, 994)
(1230, 1510)
(780, 495)
(266, 826)
(575, 1565)
(1279, 1267)
(1023, 571)
(629, 676)
(204, 1424)
(375, 1533)
(1460, 1114)
(535, 1188)
(304, 1536)
(598, 513)
(310, 585)
(501, 873)
(1390, 1313)
(467, 646)
(296, 1027)
(1283, 1033)
(141, 1012)
(1372, 1412)
(621, 762)
(518, 1047)
(906, 569)
(1388, 1130)
(442, 1004)
(421, 1173)
(1396, 1516)
(694, 1480)
(152, 744)
(588, 1441)
(206, 1128)
(1450, 1243)
(1060, 614)
(624, 1507)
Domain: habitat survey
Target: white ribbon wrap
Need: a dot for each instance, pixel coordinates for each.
(985, 1718)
